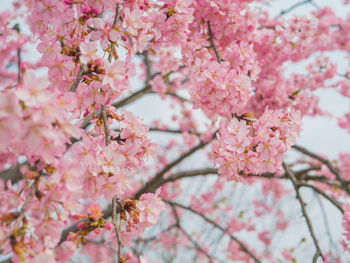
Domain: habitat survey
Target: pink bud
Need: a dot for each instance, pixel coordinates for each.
(24, 66)
(81, 225)
(97, 231)
(166, 5)
(95, 11)
(123, 38)
(86, 9)
(68, 2)
(109, 226)
(129, 255)
(142, 7)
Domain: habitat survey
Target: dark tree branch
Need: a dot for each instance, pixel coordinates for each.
(197, 246)
(296, 5)
(136, 95)
(303, 209)
(242, 246)
(105, 124)
(115, 22)
(326, 162)
(116, 229)
(19, 58)
(325, 195)
(82, 71)
(212, 43)
(156, 181)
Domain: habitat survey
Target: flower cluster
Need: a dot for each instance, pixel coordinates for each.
(247, 146)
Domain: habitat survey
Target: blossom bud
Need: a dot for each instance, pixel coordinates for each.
(95, 11)
(97, 231)
(86, 9)
(81, 225)
(68, 2)
(109, 226)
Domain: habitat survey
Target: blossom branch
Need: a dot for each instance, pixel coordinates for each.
(156, 181)
(303, 209)
(105, 124)
(326, 162)
(212, 43)
(19, 77)
(242, 246)
(115, 22)
(116, 229)
(82, 71)
(296, 5)
(325, 195)
(194, 242)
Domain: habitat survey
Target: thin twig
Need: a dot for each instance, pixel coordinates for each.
(325, 195)
(19, 77)
(212, 43)
(324, 216)
(154, 182)
(194, 242)
(132, 97)
(115, 22)
(296, 5)
(105, 124)
(333, 169)
(116, 229)
(303, 209)
(82, 71)
(242, 246)
(19, 59)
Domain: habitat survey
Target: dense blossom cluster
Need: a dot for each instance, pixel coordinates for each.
(80, 176)
(248, 146)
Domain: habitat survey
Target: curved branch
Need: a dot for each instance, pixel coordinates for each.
(82, 71)
(303, 209)
(242, 246)
(156, 181)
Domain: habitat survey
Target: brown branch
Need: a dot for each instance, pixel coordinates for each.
(192, 173)
(116, 229)
(155, 129)
(333, 169)
(303, 209)
(115, 21)
(242, 246)
(156, 181)
(132, 97)
(13, 173)
(212, 43)
(105, 124)
(82, 71)
(194, 242)
(325, 195)
(19, 59)
(19, 77)
(148, 67)
(296, 5)
(155, 237)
